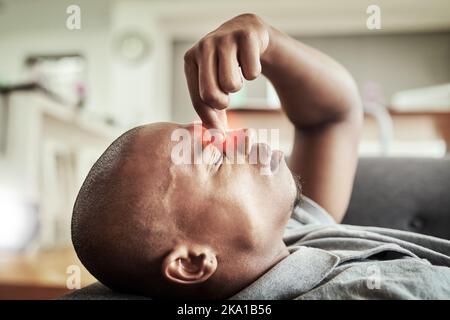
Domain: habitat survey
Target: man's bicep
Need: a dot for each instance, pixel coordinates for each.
(326, 157)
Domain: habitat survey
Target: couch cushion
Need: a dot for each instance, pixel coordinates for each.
(411, 194)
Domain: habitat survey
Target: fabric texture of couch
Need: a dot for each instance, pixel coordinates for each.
(411, 194)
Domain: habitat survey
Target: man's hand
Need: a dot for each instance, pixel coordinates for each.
(214, 66)
(318, 95)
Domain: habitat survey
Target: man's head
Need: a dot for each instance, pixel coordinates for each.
(145, 224)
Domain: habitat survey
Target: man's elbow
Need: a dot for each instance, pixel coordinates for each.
(338, 102)
(350, 108)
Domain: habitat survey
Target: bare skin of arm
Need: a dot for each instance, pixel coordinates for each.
(320, 98)
(317, 94)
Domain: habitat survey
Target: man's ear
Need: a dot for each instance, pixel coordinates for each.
(189, 264)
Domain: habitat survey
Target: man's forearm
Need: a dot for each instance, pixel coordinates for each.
(320, 98)
(313, 88)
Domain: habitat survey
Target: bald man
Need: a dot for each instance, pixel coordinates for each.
(146, 224)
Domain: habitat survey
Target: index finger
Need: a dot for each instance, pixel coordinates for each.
(210, 117)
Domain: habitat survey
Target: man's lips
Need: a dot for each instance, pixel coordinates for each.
(275, 160)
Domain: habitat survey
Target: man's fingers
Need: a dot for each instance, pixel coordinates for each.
(230, 79)
(210, 117)
(209, 89)
(222, 116)
(249, 56)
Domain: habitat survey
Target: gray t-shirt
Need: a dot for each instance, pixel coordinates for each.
(336, 261)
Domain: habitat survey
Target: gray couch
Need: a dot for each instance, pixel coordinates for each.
(403, 193)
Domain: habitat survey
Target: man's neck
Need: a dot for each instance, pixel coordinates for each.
(248, 270)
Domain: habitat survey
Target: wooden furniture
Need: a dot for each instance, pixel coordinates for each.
(41, 275)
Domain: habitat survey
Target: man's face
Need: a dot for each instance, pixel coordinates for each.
(230, 202)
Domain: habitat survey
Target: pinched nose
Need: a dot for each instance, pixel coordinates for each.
(240, 143)
(239, 140)
(260, 154)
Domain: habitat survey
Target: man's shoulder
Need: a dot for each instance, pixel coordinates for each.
(407, 278)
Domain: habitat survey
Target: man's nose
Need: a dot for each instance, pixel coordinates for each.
(260, 154)
(239, 141)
